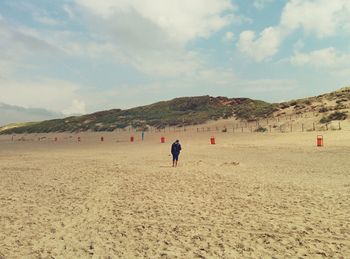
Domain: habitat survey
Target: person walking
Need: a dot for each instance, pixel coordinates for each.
(175, 151)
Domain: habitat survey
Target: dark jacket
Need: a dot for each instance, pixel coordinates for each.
(175, 148)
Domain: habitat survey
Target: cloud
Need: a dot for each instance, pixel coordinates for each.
(263, 47)
(321, 18)
(69, 11)
(14, 114)
(77, 107)
(47, 20)
(152, 35)
(18, 42)
(53, 94)
(261, 4)
(229, 36)
(181, 21)
(267, 85)
(322, 58)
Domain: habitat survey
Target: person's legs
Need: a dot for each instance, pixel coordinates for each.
(176, 159)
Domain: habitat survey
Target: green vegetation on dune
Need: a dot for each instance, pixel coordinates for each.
(334, 117)
(176, 112)
(251, 109)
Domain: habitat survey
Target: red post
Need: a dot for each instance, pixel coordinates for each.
(56, 139)
(132, 139)
(212, 140)
(319, 140)
(162, 140)
(79, 139)
(102, 139)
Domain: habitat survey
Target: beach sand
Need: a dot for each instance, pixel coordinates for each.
(249, 196)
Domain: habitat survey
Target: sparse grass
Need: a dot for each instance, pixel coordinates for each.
(334, 116)
(261, 129)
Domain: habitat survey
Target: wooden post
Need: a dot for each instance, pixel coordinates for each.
(339, 125)
(302, 127)
(270, 127)
(291, 127)
(313, 126)
(242, 129)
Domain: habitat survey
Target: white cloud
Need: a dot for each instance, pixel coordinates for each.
(180, 20)
(261, 4)
(46, 20)
(260, 48)
(267, 85)
(77, 107)
(69, 11)
(17, 42)
(151, 35)
(322, 17)
(229, 36)
(49, 93)
(328, 57)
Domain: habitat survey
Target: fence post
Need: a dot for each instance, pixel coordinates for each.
(302, 127)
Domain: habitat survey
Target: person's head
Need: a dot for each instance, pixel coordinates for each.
(177, 141)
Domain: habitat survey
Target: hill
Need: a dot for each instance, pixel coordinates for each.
(193, 111)
(331, 106)
(176, 112)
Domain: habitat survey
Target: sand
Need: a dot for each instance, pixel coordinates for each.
(249, 196)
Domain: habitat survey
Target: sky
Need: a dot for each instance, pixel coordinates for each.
(82, 56)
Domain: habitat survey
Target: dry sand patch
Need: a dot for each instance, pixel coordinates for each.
(251, 195)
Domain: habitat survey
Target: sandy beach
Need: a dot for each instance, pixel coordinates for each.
(270, 195)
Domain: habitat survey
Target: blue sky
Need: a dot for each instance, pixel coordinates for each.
(81, 56)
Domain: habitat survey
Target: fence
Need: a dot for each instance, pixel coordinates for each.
(288, 123)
